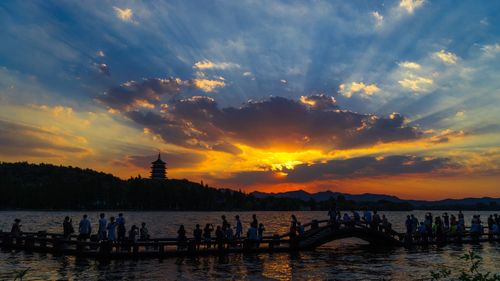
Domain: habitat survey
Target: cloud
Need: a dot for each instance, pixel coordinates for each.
(207, 64)
(124, 14)
(409, 65)
(379, 19)
(491, 50)
(446, 57)
(319, 101)
(17, 139)
(100, 54)
(277, 123)
(103, 68)
(146, 93)
(247, 73)
(416, 83)
(355, 87)
(208, 85)
(410, 5)
(359, 167)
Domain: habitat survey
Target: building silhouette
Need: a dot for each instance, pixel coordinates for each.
(158, 169)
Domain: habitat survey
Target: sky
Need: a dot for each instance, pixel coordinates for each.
(395, 97)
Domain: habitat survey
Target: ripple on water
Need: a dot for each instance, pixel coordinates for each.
(348, 259)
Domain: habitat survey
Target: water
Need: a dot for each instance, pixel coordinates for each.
(349, 259)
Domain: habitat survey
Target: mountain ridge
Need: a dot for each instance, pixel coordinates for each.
(373, 197)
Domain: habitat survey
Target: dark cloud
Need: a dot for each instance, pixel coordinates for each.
(17, 139)
(146, 93)
(278, 123)
(340, 169)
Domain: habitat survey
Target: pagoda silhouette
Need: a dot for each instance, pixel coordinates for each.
(158, 169)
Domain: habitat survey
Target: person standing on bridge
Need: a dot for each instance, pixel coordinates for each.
(144, 233)
(101, 232)
(356, 216)
(446, 222)
(422, 232)
(133, 233)
(229, 234)
(375, 221)
(346, 220)
(67, 227)
(495, 229)
(16, 227)
(197, 232)
(461, 219)
(84, 228)
(408, 225)
(385, 224)
(260, 231)
(414, 224)
(491, 221)
(438, 229)
(367, 217)
(111, 229)
(207, 234)
(219, 237)
(239, 227)
(453, 226)
(332, 213)
(181, 238)
(255, 222)
(293, 228)
(225, 224)
(120, 221)
(428, 225)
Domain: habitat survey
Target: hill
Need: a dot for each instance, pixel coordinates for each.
(50, 187)
(483, 203)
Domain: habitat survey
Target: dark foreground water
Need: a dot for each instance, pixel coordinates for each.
(348, 259)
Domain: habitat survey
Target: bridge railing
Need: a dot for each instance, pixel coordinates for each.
(50, 242)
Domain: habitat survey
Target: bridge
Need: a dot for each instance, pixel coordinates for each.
(318, 233)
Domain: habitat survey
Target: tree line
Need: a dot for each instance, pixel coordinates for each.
(51, 187)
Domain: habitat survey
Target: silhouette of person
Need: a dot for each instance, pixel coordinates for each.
(112, 229)
(67, 227)
(197, 233)
(224, 223)
(181, 238)
(255, 222)
(144, 233)
(16, 227)
(260, 232)
(239, 227)
(120, 221)
(101, 232)
(84, 228)
(219, 237)
(207, 234)
(133, 233)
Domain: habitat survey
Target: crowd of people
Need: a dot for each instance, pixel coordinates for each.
(441, 228)
(431, 228)
(112, 230)
(369, 218)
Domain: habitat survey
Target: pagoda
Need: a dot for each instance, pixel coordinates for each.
(158, 169)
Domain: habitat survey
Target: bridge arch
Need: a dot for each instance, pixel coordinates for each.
(326, 234)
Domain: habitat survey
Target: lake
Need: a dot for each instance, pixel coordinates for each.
(348, 259)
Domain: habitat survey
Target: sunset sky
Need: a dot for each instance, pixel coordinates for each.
(396, 97)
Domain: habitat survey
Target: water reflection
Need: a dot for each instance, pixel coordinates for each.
(348, 259)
